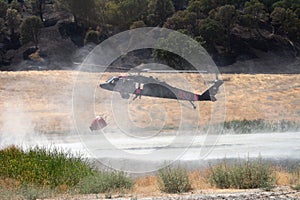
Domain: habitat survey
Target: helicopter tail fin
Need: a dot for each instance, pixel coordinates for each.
(209, 94)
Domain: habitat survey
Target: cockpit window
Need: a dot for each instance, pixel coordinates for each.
(112, 80)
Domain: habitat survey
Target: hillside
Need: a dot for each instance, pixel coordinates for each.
(231, 31)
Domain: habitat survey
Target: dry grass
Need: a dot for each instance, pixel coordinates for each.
(283, 177)
(199, 180)
(147, 186)
(45, 99)
(9, 184)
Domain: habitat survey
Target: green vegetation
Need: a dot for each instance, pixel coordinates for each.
(92, 37)
(260, 125)
(40, 172)
(31, 30)
(43, 167)
(43, 173)
(38, 8)
(296, 179)
(104, 182)
(27, 192)
(223, 26)
(297, 187)
(242, 174)
(13, 20)
(255, 126)
(173, 180)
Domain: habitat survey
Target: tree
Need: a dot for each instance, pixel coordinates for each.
(286, 22)
(196, 7)
(227, 15)
(159, 11)
(2, 28)
(278, 16)
(13, 20)
(256, 10)
(211, 31)
(38, 8)
(173, 43)
(30, 30)
(182, 20)
(15, 5)
(203, 5)
(137, 24)
(287, 4)
(3, 9)
(122, 14)
(297, 12)
(82, 11)
(133, 10)
(268, 4)
(180, 4)
(91, 37)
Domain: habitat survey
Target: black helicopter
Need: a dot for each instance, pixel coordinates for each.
(153, 87)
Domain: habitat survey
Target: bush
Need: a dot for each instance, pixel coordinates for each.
(30, 30)
(297, 187)
(260, 125)
(42, 167)
(103, 182)
(173, 180)
(91, 37)
(296, 179)
(242, 175)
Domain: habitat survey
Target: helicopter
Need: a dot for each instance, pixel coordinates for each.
(153, 87)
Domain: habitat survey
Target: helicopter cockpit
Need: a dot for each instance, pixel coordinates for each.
(113, 80)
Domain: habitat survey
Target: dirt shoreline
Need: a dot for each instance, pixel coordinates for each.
(281, 192)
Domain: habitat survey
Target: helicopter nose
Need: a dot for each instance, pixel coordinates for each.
(102, 86)
(106, 86)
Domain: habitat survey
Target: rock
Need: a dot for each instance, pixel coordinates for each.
(28, 52)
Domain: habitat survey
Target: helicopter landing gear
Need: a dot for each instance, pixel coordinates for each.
(193, 105)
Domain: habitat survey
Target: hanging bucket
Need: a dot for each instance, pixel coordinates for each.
(98, 123)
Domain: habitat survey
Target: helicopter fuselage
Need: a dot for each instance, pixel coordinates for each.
(151, 87)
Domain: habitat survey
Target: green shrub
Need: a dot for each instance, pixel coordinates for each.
(29, 192)
(260, 125)
(43, 167)
(242, 174)
(173, 180)
(297, 187)
(103, 182)
(92, 37)
(296, 179)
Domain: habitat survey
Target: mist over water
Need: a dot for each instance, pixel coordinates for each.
(17, 126)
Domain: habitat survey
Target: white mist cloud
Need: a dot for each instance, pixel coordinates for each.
(17, 127)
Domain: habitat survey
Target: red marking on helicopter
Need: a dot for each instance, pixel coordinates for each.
(184, 95)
